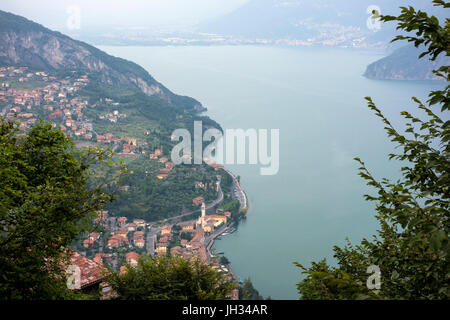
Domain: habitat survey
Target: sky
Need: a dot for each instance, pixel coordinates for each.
(57, 14)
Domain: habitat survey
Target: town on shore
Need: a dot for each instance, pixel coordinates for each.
(29, 96)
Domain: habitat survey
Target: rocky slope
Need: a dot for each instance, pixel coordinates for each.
(25, 43)
(404, 64)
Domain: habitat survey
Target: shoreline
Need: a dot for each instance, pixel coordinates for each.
(243, 205)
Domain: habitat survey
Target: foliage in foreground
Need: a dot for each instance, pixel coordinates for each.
(248, 292)
(170, 278)
(44, 206)
(412, 246)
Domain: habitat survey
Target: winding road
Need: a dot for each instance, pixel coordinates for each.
(237, 192)
(208, 206)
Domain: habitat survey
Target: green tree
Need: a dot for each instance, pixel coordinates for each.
(412, 245)
(170, 278)
(224, 260)
(248, 292)
(44, 206)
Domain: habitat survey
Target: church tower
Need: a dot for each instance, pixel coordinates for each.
(201, 220)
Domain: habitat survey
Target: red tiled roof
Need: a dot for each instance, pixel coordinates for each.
(197, 201)
(91, 272)
(131, 255)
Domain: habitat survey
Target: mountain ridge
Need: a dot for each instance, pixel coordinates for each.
(320, 21)
(404, 64)
(24, 42)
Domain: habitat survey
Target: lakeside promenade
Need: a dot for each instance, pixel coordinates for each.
(242, 197)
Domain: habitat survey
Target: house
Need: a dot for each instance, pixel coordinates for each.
(209, 227)
(109, 136)
(140, 223)
(138, 239)
(164, 240)
(138, 234)
(93, 236)
(216, 220)
(227, 214)
(165, 170)
(113, 243)
(161, 249)
(127, 148)
(140, 243)
(162, 176)
(166, 230)
(169, 165)
(122, 232)
(132, 258)
(131, 227)
(187, 226)
(99, 257)
(121, 221)
(197, 201)
(116, 240)
(91, 273)
(163, 160)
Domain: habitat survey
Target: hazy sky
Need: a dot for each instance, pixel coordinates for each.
(131, 13)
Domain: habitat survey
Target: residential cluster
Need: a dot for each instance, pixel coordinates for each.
(28, 96)
(192, 239)
(112, 116)
(168, 165)
(49, 98)
(57, 99)
(121, 241)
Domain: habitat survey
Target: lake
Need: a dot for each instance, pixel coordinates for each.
(315, 97)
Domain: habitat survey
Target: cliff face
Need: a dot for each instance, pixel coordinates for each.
(404, 64)
(25, 43)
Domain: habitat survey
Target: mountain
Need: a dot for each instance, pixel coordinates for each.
(102, 101)
(404, 64)
(332, 21)
(26, 43)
